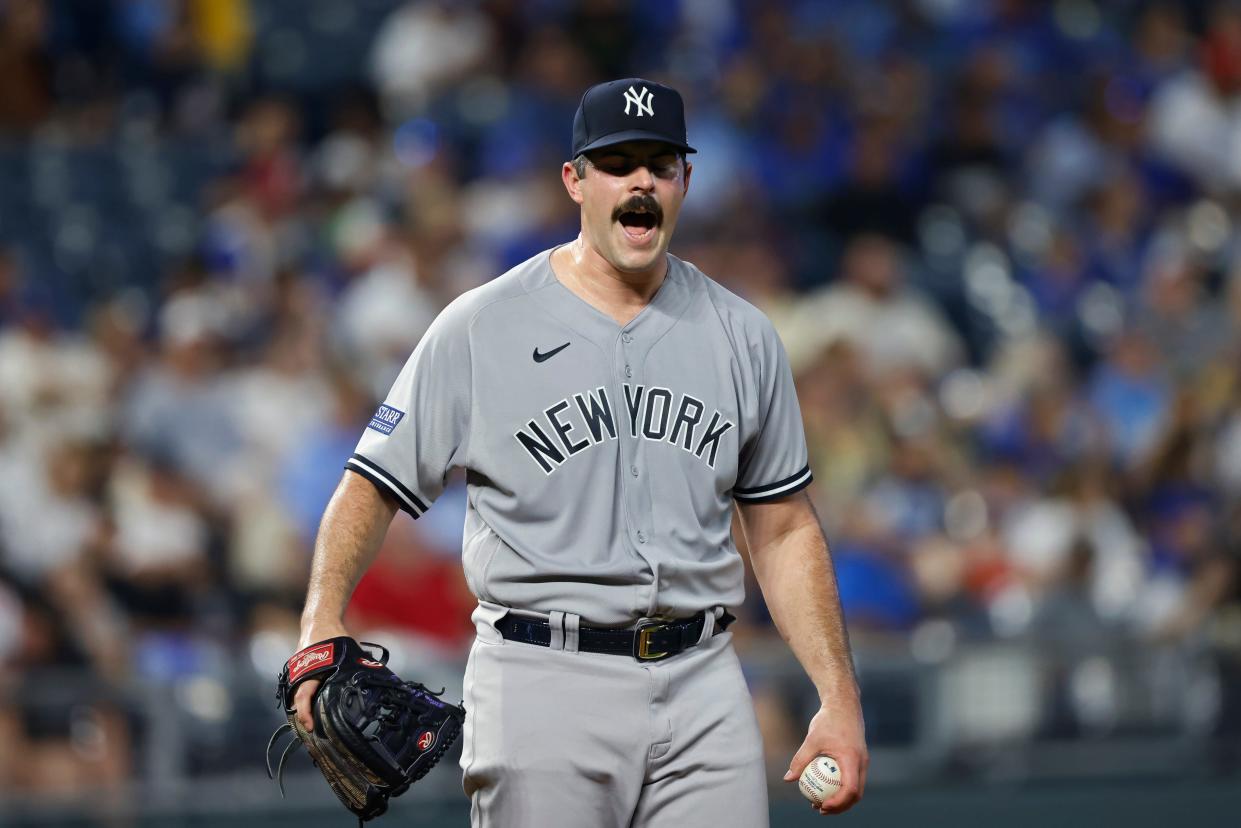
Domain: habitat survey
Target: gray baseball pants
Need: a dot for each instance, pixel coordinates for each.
(556, 738)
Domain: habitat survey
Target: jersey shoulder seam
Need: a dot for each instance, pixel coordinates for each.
(759, 319)
(710, 286)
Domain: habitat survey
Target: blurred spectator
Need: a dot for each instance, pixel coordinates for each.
(423, 47)
(47, 519)
(1059, 283)
(224, 32)
(1178, 314)
(50, 380)
(179, 407)
(1045, 431)
(893, 328)
(969, 163)
(907, 502)
(308, 476)
(1118, 239)
(156, 559)
(271, 172)
(61, 736)
(1161, 43)
(26, 67)
(384, 310)
(871, 199)
(1132, 394)
(1194, 118)
(1080, 540)
(347, 162)
(1192, 565)
(846, 434)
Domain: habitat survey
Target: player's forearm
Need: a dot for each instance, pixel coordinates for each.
(350, 533)
(795, 574)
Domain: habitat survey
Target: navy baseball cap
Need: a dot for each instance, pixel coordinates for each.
(632, 109)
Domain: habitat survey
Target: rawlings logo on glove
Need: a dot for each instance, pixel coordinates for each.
(374, 734)
(308, 658)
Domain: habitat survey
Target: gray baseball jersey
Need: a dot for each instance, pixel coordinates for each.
(601, 460)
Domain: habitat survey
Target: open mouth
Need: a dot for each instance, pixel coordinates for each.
(638, 225)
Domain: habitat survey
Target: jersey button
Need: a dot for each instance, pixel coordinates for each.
(628, 371)
(633, 470)
(626, 338)
(641, 536)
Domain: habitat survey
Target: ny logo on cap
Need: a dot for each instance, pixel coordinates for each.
(641, 99)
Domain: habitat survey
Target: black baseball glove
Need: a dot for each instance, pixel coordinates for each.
(374, 734)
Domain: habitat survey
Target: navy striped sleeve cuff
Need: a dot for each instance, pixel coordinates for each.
(775, 491)
(388, 483)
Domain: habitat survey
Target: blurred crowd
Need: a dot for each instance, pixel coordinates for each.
(999, 240)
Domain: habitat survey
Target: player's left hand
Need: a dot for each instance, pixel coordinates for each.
(838, 732)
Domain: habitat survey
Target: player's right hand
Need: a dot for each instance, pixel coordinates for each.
(839, 732)
(303, 701)
(303, 697)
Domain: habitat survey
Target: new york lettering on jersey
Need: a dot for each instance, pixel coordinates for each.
(657, 414)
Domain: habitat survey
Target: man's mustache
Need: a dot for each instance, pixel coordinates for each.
(640, 204)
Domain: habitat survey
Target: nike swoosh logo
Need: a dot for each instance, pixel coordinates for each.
(544, 357)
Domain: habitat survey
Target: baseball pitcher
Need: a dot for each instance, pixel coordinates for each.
(611, 405)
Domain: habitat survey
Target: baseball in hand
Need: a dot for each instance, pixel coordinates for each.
(820, 780)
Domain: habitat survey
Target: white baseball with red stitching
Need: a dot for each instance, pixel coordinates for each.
(820, 780)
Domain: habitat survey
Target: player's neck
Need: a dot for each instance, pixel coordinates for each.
(589, 276)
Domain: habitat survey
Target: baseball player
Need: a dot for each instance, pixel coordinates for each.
(609, 404)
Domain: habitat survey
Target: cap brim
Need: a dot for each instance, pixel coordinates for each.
(633, 135)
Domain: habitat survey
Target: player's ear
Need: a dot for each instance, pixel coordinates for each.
(572, 182)
(689, 168)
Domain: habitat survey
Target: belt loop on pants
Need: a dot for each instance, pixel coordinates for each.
(572, 631)
(648, 641)
(710, 617)
(555, 624)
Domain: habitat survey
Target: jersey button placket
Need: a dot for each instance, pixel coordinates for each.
(637, 496)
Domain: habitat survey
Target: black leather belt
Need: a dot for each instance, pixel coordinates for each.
(651, 641)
